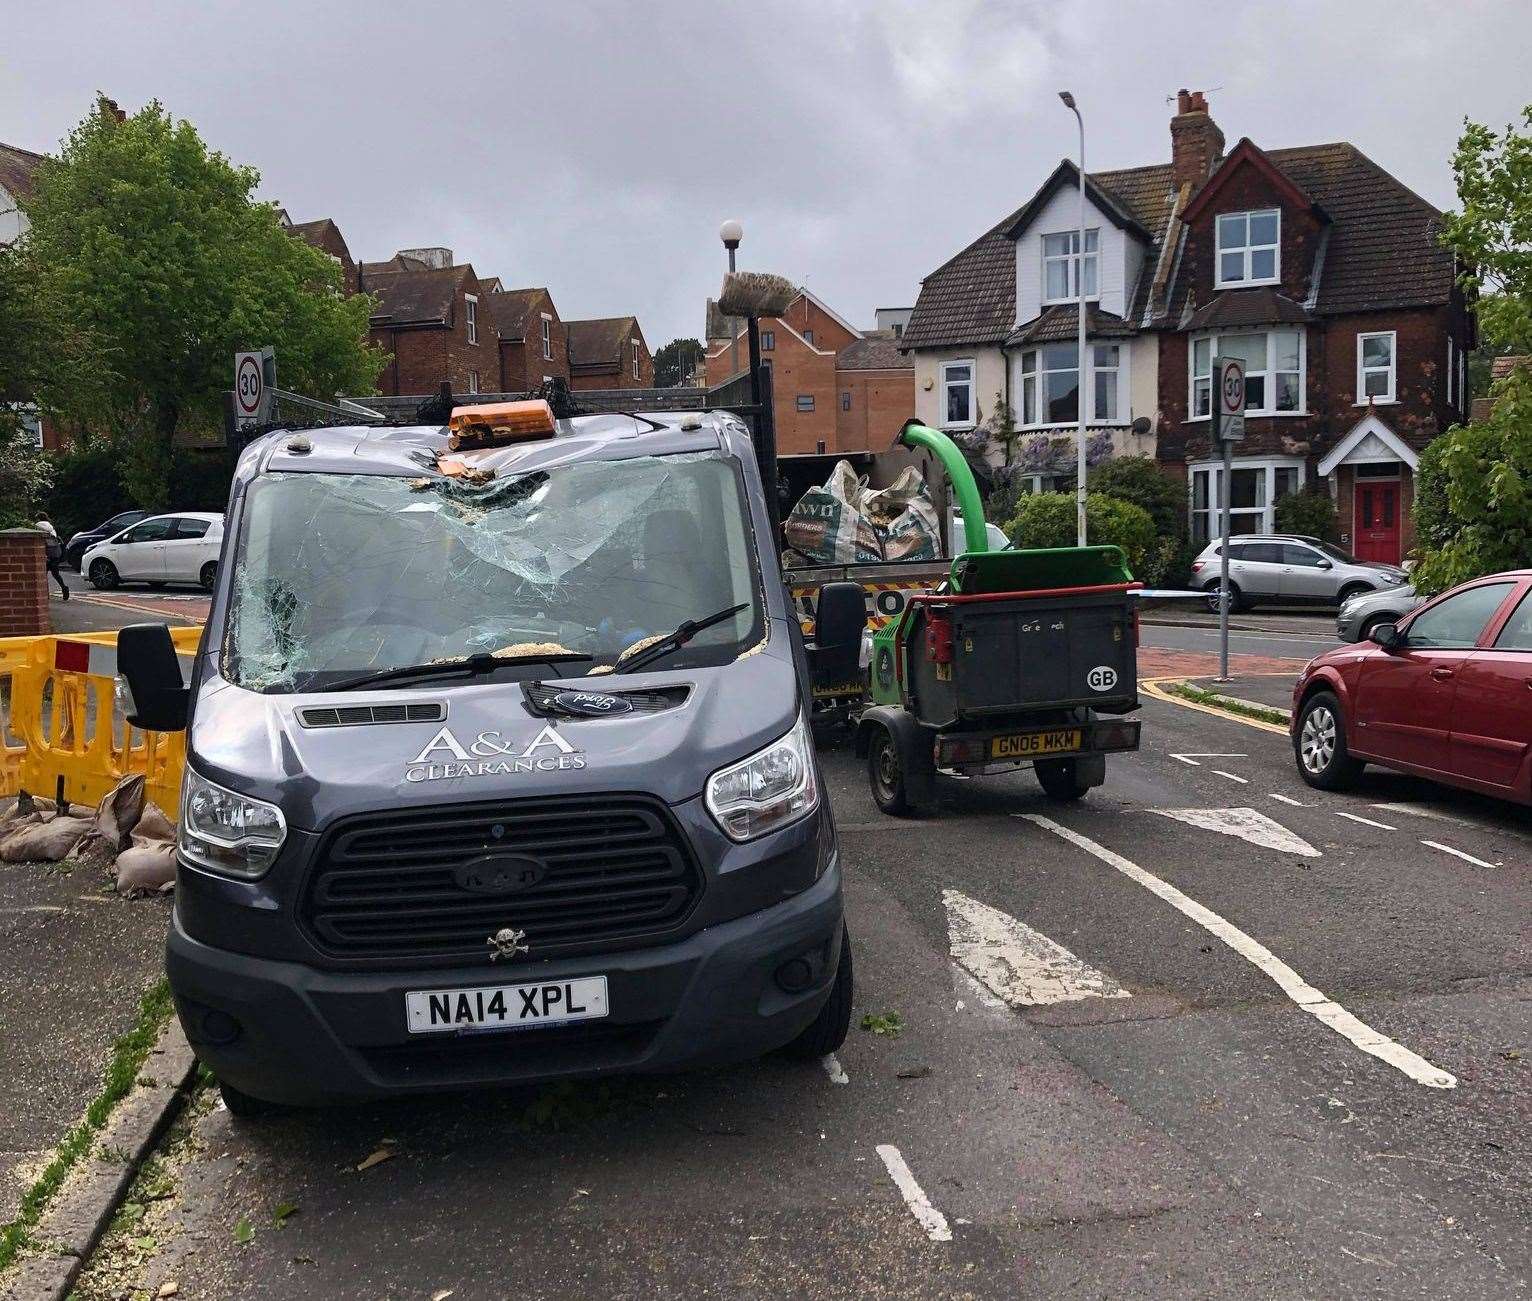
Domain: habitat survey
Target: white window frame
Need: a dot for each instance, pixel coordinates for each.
(1214, 470)
(1071, 260)
(30, 419)
(637, 357)
(547, 337)
(473, 381)
(1033, 378)
(1462, 380)
(1271, 388)
(471, 316)
(800, 400)
(1451, 376)
(808, 337)
(1218, 250)
(768, 340)
(1362, 398)
(973, 389)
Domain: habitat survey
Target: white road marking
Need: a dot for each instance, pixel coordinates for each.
(834, 1069)
(927, 1216)
(1233, 777)
(1458, 853)
(1190, 760)
(1288, 799)
(1366, 822)
(1016, 963)
(1303, 994)
(1247, 824)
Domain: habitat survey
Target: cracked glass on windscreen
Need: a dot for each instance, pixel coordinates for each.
(338, 575)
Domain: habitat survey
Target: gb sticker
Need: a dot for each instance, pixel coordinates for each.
(1101, 678)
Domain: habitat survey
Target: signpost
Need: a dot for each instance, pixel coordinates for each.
(1228, 404)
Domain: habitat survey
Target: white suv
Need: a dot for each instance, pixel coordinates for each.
(180, 548)
(1289, 568)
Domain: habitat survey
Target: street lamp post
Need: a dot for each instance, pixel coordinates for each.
(731, 232)
(1081, 369)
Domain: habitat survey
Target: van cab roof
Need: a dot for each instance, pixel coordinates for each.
(406, 449)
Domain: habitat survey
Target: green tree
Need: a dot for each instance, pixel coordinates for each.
(156, 248)
(675, 361)
(1047, 519)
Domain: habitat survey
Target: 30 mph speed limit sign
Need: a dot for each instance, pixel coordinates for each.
(249, 389)
(1228, 399)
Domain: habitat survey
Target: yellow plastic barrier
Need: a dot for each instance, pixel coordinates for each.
(63, 722)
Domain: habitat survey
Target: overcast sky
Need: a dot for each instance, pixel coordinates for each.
(595, 147)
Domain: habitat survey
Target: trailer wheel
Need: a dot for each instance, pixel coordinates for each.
(1060, 779)
(886, 776)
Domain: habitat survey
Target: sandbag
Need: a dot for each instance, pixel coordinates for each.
(148, 866)
(154, 825)
(844, 522)
(119, 811)
(44, 842)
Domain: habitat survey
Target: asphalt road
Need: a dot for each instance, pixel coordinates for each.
(1204, 1124)
(1301, 637)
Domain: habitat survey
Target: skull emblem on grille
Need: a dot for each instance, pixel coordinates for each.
(506, 943)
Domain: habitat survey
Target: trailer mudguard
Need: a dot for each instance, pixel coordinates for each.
(914, 742)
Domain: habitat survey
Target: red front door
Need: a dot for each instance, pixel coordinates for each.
(1377, 521)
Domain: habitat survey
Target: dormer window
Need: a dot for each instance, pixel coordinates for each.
(1247, 248)
(1061, 266)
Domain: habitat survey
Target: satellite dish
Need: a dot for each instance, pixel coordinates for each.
(1141, 426)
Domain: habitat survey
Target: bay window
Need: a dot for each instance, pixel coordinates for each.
(1274, 363)
(1061, 266)
(1255, 488)
(1375, 367)
(1050, 385)
(1248, 244)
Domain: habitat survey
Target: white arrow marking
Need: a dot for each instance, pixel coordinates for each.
(1467, 858)
(927, 1216)
(1016, 963)
(1366, 822)
(1288, 799)
(1233, 777)
(1309, 999)
(1247, 824)
(1190, 760)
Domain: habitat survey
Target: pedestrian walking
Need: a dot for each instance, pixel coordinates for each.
(55, 550)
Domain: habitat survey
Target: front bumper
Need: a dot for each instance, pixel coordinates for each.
(306, 1036)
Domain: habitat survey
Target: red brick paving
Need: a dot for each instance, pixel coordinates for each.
(193, 609)
(1154, 662)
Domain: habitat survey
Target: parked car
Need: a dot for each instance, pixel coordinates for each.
(1444, 693)
(1361, 614)
(161, 549)
(1291, 568)
(82, 541)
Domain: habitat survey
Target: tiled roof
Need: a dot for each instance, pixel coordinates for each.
(873, 352)
(1060, 323)
(415, 297)
(1247, 307)
(1503, 366)
(16, 168)
(598, 343)
(509, 309)
(1382, 251)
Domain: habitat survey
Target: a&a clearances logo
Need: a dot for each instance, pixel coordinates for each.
(490, 756)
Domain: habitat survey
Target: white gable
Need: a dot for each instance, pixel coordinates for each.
(1370, 442)
(1121, 253)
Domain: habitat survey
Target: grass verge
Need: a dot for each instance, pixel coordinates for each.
(1200, 697)
(128, 1055)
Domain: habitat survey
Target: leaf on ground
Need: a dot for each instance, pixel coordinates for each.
(442, 1295)
(890, 1024)
(284, 1209)
(378, 1157)
(168, 1288)
(913, 1073)
(244, 1231)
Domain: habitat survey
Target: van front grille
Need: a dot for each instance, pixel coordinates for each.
(603, 870)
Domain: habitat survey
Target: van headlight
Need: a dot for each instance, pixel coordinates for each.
(771, 788)
(231, 834)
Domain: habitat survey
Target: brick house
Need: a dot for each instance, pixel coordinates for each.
(1312, 263)
(836, 390)
(16, 168)
(532, 340)
(431, 320)
(325, 235)
(608, 353)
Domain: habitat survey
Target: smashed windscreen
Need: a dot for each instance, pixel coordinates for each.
(340, 575)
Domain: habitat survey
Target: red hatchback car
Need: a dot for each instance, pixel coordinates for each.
(1445, 693)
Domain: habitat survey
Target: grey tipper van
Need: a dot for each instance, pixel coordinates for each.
(496, 776)
(1291, 568)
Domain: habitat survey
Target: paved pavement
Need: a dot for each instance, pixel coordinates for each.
(90, 611)
(1203, 1123)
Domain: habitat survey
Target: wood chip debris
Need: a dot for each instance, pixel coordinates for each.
(377, 1157)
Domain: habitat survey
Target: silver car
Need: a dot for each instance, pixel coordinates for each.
(1361, 614)
(1290, 568)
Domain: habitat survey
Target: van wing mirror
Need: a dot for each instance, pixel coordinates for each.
(1387, 635)
(147, 658)
(840, 615)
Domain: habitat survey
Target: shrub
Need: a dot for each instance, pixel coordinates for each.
(1140, 479)
(87, 486)
(1311, 513)
(1047, 519)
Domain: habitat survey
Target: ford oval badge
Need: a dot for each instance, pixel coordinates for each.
(592, 704)
(500, 874)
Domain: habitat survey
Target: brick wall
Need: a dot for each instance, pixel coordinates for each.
(23, 584)
(522, 364)
(880, 402)
(622, 376)
(422, 356)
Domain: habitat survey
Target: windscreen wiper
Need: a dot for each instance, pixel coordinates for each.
(472, 666)
(673, 640)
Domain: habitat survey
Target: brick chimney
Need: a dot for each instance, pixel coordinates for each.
(1196, 143)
